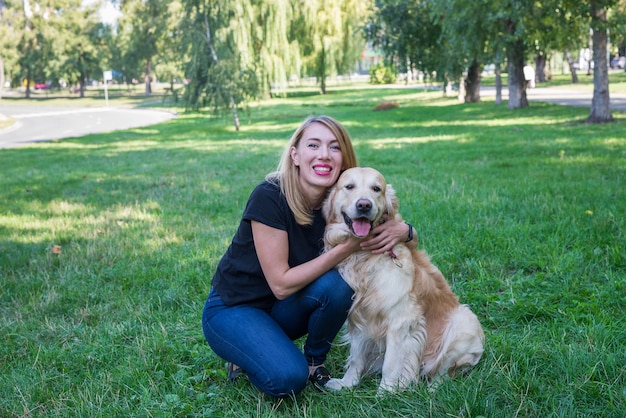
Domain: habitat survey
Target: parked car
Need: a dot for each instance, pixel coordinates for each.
(41, 86)
(618, 62)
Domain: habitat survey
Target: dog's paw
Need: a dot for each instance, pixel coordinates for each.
(334, 384)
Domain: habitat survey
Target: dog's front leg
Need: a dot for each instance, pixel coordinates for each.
(335, 234)
(355, 365)
(403, 357)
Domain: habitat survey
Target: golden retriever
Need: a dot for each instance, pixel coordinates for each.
(405, 320)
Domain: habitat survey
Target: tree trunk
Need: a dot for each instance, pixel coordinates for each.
(321, 70)
(235, 114)
(540, 68)
(148, 78)
(517, 82)
(462, 92)
(447, 86)
(472, 83)
(1, 77)
(498, 84)
(590, 43)
(601, 103)
(572, 68)
(81, 81)
(28, 81)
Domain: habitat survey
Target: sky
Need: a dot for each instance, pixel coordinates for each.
(109, 13)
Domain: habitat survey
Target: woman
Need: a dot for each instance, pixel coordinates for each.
(274, 284)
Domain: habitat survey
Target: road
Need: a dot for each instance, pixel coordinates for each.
(47, 123)
(565, 97)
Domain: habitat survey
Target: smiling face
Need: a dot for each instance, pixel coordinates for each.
(319, 160)
(359, 199)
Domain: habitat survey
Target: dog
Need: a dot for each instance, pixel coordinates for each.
(405, 321)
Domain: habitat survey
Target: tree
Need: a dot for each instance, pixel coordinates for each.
(406, 32)
(601, 102)
(218, 78)
(169, 65)
(145, 25)
(35, 46)
(330, 40)
(265, 43)
(81, 47)
(470, 38)
(11, 26)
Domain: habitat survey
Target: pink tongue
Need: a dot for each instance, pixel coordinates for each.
(361, 227)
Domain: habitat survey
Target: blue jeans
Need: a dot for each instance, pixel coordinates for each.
(261, 342)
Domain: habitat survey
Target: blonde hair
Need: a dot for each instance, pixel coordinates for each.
(287, 172)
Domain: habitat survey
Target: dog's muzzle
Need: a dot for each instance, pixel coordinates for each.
(360, 226)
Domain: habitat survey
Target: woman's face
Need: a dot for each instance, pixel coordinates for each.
(319, 157)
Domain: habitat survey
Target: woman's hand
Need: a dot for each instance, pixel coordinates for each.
(387, 235)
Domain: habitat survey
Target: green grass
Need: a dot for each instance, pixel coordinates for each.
(524, 211)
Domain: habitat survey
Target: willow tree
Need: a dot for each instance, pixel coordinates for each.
(265, 43)
(219, 78)
(330, 37)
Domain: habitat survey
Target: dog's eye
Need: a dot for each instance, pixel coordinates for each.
(377, 189)
(349, 186)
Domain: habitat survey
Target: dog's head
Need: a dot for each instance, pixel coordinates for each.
(361, 199)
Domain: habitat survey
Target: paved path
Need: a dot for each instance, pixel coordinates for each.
(565, 97)
(46, 123)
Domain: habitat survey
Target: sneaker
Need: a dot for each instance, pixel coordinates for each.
(319, 378)
(234, 371)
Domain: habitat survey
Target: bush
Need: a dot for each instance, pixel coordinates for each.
(382, 74)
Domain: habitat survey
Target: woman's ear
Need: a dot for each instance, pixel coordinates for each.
(294, 156)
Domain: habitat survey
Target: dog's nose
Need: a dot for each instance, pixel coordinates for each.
(363, 205)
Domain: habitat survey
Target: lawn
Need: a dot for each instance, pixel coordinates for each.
(108, 244)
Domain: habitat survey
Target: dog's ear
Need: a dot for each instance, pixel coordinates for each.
(327, 207)
(391, 201)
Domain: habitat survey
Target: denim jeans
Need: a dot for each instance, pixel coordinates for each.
(261, 342)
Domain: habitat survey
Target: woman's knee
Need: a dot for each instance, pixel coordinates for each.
(337, 290)
(283, 381)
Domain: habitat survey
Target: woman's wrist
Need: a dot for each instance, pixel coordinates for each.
(410, 232)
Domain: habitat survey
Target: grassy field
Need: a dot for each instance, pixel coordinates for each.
(108, 244)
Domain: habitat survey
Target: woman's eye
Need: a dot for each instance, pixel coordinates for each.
(335, 148)
(312, 145)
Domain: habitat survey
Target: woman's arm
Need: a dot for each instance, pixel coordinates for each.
(272, 248)
(388, 234)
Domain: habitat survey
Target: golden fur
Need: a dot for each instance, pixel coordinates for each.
(405, 320)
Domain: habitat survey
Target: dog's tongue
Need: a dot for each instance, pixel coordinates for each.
(361, 227)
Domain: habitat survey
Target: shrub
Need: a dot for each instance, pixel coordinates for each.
(382, 74)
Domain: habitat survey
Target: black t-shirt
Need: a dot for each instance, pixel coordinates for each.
(239, 278)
